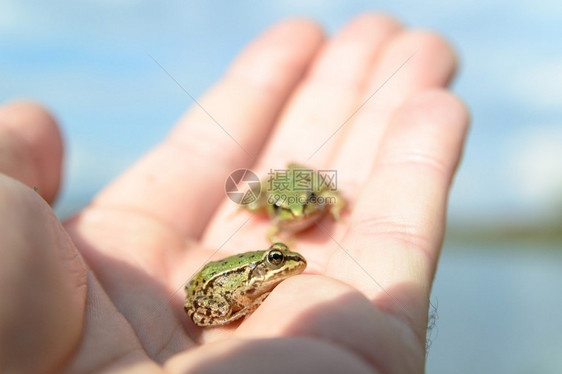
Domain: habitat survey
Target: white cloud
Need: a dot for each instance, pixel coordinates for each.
(535, 167)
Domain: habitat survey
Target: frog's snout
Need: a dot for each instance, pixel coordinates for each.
(300, 260)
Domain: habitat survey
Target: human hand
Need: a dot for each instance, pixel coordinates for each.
(290, 96)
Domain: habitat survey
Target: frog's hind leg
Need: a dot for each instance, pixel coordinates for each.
(209, 311)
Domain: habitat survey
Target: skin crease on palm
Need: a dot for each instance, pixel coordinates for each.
(103, 292)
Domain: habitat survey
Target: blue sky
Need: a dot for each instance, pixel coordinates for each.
(89, 63)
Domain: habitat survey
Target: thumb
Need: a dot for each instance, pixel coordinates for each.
(42, 284)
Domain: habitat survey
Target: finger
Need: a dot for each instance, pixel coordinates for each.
(397, 224)
(307, 355)
(31, 147)
(411, 62)
(42, 284)
(321, 104)
(331, 311)
(180, 182)
(329, 94)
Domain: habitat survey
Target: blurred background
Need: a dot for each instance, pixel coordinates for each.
(497, 293)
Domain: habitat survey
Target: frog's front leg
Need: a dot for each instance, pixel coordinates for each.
(336, 203)
(247, 310)
(209, 311)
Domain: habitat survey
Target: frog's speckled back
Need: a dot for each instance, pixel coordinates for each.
(215, 267)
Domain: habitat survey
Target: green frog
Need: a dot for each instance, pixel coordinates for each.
(295, 198)
(233, 287)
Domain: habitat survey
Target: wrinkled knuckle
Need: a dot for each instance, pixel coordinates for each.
(412, 158)
(405, 233)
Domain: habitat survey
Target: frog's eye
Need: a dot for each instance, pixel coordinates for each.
(275, 258)
(277, 206)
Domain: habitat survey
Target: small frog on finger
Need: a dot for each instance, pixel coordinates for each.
(228, 289)
(295, 198)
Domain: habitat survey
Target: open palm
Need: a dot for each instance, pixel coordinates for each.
(105, 291)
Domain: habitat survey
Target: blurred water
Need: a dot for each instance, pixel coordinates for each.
(499, 310)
